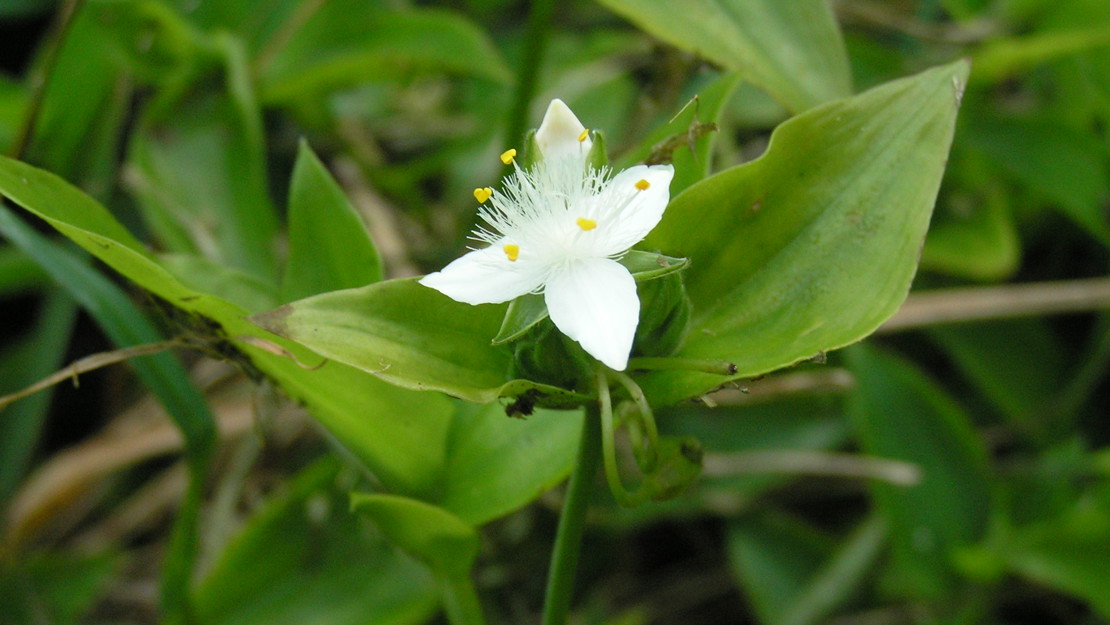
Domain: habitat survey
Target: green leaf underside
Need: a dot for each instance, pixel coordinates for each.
(900, 414)
(526, 311)
(412, 336)
(441, 540)
(813, 245)
(398, 434)
(794, 50)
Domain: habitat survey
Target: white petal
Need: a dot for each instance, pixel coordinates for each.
(628, 213)
(487, 276)
(557, 136)
(594, 302)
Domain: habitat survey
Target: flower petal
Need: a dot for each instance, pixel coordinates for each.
(594, 302)
(559, 134)
(628, 210)
(487, 276)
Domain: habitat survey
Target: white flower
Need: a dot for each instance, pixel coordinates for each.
(557, 228)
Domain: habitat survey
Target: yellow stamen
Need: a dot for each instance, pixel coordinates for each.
(512, 251)
(482, 194)
(508, 155)
(585, 133)
(586, 224)
(643, 185)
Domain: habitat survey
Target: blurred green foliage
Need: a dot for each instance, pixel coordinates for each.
(231, 156)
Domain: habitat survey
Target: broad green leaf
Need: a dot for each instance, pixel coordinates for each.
(794, 50)
(496, 464)
(773, 555)
(1039, 153)
(973, 238)
(304, 559)
(813, 245)
(793, 575)
(1016, 365)
(347, 43)
(1069, 554)
(429, 533)
(442, 541)
(412, 336)
(198, 167)
(398, 434)
(329, 246)
(207, 276)
(900, 414)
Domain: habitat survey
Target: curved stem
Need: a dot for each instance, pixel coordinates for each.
(609, 455)
(568, 540)
(647, 417)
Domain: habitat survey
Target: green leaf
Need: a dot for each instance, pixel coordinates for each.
(207, 276)
(361, 411)
(412, 336)
(1069, 554)
(900, 414)
(198, 167)
(773, 555)
(54, 587)
(974, 237)
(19, 274)
(1039, 153)
(812, 246)
(344, 44)
(1001, 57)
(329, 246)
(439, 539)
(496, 464)
(793, 50)
(302, 558)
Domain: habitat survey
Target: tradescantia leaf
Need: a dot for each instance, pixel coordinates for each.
(812, 246)
(794, 49)
(412, 336)
(399, 435)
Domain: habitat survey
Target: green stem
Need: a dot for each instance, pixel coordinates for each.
(717, 367)
(535, 40)
(460, 600)
(568, 540)
(609, 453)
(647, 417)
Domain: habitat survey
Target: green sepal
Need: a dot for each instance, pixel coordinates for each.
(528, 310)
(522, 315)
(646, 266)
(598, 158)
(664, 316)
(529, 151)
(545, 355)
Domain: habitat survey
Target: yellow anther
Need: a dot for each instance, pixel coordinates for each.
(482, 194)
(508, 155)
(585, 133)
(643, 184)
(586, 224)
(512, 250)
